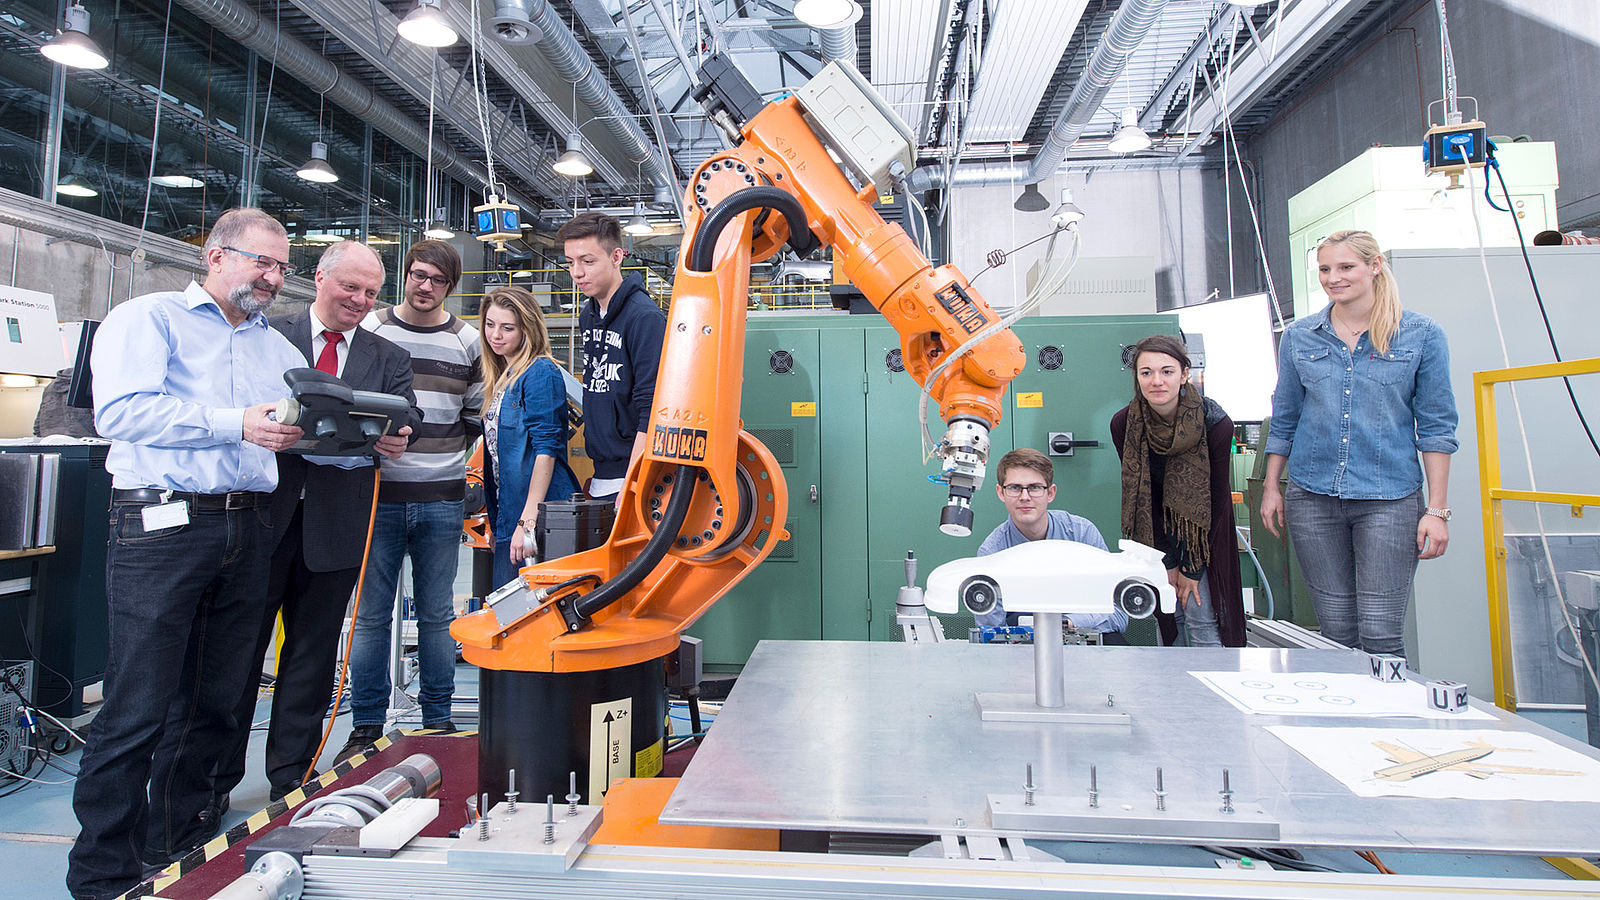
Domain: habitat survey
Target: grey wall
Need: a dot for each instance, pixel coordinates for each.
(1532, 65)
(1176, 216)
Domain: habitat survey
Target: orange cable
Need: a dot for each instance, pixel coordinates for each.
(1377, 863)
(344, 668)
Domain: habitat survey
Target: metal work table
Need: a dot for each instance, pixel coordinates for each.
(886, 738)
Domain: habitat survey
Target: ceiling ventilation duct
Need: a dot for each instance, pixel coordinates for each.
(510, 24)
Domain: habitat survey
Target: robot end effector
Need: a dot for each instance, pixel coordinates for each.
(965, 449)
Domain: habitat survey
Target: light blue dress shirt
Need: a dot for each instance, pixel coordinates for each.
(1064, 526)
(172, 379)
(1352, 423)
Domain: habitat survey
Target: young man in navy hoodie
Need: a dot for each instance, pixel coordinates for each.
(622, 333)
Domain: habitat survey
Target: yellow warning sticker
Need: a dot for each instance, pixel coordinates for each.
(1030, 399)
(803, 410)
(647, 762)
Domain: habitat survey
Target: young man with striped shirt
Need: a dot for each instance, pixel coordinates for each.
(420, 496)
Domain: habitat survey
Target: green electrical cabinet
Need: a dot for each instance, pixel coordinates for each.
(828, 394)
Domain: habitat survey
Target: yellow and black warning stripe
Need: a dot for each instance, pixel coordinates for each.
(220, 844)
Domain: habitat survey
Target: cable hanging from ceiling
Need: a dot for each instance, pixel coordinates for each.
(480, 98)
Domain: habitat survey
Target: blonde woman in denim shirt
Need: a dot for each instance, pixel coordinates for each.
(1363, 388)
(524, 425)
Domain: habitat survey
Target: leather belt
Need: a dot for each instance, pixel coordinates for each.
(234, 500)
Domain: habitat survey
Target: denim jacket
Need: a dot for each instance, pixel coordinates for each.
(533, 422)
(1352, 424)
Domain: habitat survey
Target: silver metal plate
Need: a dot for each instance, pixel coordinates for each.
(886, 737)
(1186, 819)
(516, 842)
(1024, 708)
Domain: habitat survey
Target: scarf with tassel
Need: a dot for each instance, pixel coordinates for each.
(1186, 488)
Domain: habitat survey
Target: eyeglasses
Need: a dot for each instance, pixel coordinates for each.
(265, 263)
(438, 281)
(1033, 490)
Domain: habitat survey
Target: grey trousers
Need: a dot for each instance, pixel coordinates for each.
(1359, 558)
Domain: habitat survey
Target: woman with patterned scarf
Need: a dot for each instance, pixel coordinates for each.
(1177, 494)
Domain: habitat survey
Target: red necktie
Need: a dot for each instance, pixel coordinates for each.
(328, 360)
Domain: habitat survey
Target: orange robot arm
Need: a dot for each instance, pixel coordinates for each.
(707, 502)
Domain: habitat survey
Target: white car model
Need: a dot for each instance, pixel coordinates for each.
(1055, 577)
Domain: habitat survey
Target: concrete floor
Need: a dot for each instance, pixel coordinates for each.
(37, 826)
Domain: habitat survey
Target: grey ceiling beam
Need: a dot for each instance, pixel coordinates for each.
(1222, 29)
(299, 61)
(375, 39)
(1299, 28)
(562, 51)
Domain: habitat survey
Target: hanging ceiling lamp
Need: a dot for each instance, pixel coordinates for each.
(1067, 213)
(1031, 200)
(437, 229)
(72, 46)
(1130, 138)
(427, 26)
(74, 185)
(638, 224)
(573, 163)
(317, 168)
(828, 13)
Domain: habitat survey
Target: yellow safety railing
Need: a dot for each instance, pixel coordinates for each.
(1494, 539)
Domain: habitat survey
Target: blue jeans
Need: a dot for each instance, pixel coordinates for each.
(431, 534)
(1197, 625)
(181, 603)
(1358, 558)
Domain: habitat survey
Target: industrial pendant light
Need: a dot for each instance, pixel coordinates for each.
(437, 229)
(1246, 4)
(828, 13)
(1068, 212)
(1130, 138)
(74, 185)
(72, 46)
(176, 179)
(427, 26)
(316, 168)
(573, 163)
(639, 225)
(1031, 200)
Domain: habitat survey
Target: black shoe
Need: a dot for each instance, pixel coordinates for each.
(445, 727)
(279, 791)
(207, 824)
(361, 737)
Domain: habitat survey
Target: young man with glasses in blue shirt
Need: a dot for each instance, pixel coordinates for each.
(420, 497)
(1025, 483)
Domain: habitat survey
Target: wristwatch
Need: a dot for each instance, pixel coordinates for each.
(1442, 512)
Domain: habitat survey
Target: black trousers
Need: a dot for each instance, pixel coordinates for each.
(181, 601)
(313, 606)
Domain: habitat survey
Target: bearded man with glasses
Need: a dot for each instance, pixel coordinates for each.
(1025, 483)
(420, 497)
(184, 386)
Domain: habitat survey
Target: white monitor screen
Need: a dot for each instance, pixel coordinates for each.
(1241, 366)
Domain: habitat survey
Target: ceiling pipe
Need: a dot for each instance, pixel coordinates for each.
(1126, 32)
(562, 50)
(299, 61)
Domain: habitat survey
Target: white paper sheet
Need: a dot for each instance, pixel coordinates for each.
(1519, 766)
(1327, 694)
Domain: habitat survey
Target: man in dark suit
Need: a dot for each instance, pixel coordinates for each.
(319, 514)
